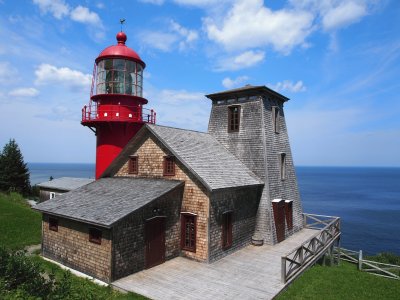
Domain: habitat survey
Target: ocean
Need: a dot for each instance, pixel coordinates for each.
(366, 199)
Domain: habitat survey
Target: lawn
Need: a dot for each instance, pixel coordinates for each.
(20, 225)
(341, 282)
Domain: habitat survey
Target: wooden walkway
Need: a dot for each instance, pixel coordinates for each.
(251, 273)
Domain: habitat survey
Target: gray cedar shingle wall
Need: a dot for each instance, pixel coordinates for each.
(129, 234)
(243, 203)
(258, 147)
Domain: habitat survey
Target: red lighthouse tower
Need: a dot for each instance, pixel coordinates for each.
(115, 111)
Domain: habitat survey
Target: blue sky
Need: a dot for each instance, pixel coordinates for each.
(337, 60)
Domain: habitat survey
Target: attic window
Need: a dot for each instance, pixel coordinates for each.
(53, 224)
(275, 118)
(233, 118)
(133, 165)
(95, 235)
(169, 165)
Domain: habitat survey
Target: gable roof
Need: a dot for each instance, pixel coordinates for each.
(212, 164)
(65, 183)
(107, 200)
(247, 90)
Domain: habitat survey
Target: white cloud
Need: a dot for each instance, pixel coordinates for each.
(244, 60)
(167, 40)
(80, 14)
(156, 2)
(200, 3)
(289, 86)
(343, 15)
(250, 24)
(84, 15)
(189, 36)
(8, 73)
(231, 83)
(335, 14)
(180, 108)
(158, 40)
(58, 8)
(75, 80)
(24, 92)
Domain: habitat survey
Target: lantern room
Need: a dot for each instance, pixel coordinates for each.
(115, 111)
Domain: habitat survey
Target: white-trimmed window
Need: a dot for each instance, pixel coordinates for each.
(52, 195)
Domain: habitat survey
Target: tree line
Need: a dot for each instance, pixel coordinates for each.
(14, 173)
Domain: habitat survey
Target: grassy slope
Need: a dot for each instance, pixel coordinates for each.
(20, 225)
(343, 282)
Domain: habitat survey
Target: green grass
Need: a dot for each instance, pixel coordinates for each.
(20, 225)
(341, 282)
(82, 288)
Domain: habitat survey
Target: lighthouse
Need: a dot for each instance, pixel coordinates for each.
(115, 111)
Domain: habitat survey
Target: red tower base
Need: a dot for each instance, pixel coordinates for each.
(112, 137)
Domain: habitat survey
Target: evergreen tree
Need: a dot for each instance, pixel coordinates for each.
(14, 173)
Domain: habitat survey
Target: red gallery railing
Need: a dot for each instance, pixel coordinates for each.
(92, 113)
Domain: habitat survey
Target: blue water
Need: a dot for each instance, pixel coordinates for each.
(366, 199)
(41, 172)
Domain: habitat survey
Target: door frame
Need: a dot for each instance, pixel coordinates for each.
(146, 242)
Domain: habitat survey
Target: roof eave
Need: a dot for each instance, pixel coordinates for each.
(246, 91)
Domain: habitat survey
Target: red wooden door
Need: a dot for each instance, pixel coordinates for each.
(279, 217)
(155, 241)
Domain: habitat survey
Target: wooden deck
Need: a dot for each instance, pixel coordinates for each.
(251, 273)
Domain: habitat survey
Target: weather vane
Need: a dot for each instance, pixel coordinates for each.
(122, 21)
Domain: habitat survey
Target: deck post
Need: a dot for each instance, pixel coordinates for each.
(283, 269)
(360, 257)
(338, 252)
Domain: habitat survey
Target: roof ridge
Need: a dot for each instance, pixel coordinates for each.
(192, 130)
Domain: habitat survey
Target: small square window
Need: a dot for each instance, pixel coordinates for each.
(53, 224)
(52, 195)
(233, 118)
(95, 235)
(169, 165)
(133, 165)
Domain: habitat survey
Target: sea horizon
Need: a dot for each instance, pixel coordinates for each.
(366, 198)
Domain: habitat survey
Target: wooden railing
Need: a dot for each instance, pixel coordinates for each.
(300, 258)
(370, 266)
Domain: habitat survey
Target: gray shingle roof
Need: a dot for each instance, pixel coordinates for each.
(203, 155)
(65, 183)
(107, 200)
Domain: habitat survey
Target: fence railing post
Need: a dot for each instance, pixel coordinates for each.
(283, 269)
(360, 257)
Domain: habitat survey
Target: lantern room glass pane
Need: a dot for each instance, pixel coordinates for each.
(119, 76)
(119, 64)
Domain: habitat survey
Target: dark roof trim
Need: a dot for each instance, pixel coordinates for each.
(246, 91)
(72, 218)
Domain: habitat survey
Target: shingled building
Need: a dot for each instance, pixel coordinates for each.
(175, 192)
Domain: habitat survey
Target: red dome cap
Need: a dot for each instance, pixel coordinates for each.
(120, 51)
